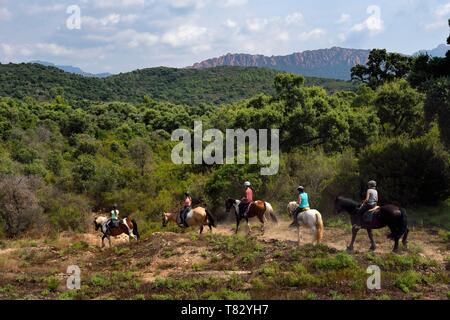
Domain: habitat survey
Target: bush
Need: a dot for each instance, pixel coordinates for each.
(409, 172)
(19, 207)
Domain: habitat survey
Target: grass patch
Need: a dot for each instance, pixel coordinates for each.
(339, 261)
(226, 294)
(52, 284)
(405, 281)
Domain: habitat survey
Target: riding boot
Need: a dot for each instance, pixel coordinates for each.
(295, 219)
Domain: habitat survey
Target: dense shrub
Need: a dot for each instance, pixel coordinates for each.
(409, 171)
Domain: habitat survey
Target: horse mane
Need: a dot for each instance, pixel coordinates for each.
(347, 202)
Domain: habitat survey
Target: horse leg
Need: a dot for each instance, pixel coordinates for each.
(314, 233)
(109, 240)
(238, 221)
(298, 235)
(103, 240)
(249, 226)
(262, 219)
(355, 230)
(395, 249)
(405, 239)
(201, 229)
(372, 242)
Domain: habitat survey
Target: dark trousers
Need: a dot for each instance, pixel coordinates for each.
(183, 214)
(243, 206)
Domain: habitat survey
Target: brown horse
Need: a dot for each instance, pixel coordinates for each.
(196, 217)
(126, 226)
(257, 209)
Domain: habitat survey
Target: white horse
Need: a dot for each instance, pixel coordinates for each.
(311, 218)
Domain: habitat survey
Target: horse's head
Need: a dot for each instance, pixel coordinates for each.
(342, 204)
(229, 203)
(98, 222)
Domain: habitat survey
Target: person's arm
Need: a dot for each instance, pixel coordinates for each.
(299, 200)
(367, 197)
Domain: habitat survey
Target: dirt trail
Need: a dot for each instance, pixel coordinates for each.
(426, 244)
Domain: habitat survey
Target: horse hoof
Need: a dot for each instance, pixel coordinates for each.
(349, 249)
(372, 248)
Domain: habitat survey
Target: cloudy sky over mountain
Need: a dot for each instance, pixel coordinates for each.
(121, 35)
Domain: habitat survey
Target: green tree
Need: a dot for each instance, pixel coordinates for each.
(399, 108)
(381, 67)
(437, 106)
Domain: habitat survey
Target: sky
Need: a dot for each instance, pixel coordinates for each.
(122, 35)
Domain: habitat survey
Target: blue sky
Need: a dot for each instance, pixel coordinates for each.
(122, 35)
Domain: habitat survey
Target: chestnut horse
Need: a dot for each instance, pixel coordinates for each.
(257, 209)
(126, 226)
(196, 217)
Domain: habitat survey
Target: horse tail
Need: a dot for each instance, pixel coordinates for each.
(135, 228)
(319, 228)
(403, 222)
(271, 213)
(211, 220)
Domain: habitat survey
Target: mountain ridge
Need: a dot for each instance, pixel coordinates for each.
(334, 63)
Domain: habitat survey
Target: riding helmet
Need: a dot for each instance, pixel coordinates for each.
(187, 194)
(247, 184)
(300, 188)
(372, 184)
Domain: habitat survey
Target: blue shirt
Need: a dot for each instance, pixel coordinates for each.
(305, 202)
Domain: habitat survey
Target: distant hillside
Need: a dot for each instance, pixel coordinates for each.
(182, 86)
(72, 69)
(439, 51)
(334, 63)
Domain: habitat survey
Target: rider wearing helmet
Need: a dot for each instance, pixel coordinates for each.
(247, 200)
(187, 206)
(303, 204)
(371, 199)
(114, 223)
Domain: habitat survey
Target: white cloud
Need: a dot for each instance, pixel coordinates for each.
(441, 14)
(19, 52)
(5, 14)
(231, 24)
(129, 38)
(256, 25)
(313, 34)
(181, 4)
(443, 10)
(39, 9)
(294, 18)
(373, 24)
(344, 18)
(233, 3)
(117, 3)
(185, 35)
(107, 21)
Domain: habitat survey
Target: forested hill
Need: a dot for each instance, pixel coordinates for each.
(181, 86)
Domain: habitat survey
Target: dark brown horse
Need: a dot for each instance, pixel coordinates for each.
(389, 215)
(257, 209)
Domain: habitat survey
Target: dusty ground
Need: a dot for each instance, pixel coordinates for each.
(179, 265)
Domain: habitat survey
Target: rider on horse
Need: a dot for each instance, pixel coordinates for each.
(370, 201)
(114, 222)
(247, 200)
(187, 206)
(303, 204)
